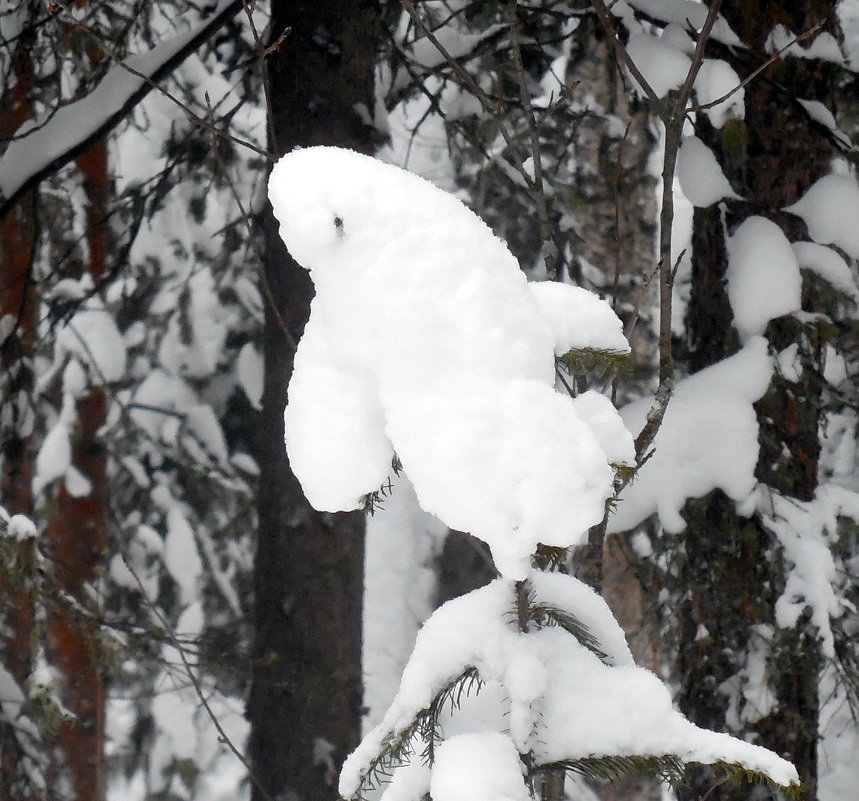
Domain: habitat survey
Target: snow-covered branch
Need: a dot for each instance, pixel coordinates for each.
(55, 142)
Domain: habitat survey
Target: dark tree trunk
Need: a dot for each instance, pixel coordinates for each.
(305, 703)
(731, 566)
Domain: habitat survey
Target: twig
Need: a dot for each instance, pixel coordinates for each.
(261, 53)
(550, 247)
(623, 56)
(281, 323)
(491, 105)
(193, 116)
(754, 74)
(223, 737)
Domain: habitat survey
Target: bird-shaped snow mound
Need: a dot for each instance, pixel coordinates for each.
(425, 339)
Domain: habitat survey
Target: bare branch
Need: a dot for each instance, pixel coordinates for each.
(754, 74)
(622, 54)
(60, 142)
(223, 737)
(550, 248)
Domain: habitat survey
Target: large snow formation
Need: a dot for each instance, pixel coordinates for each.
(560, 700)
(425, 339)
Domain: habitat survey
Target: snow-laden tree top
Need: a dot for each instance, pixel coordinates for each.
(426, 340)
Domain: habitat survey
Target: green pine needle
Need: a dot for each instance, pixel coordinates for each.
(580, 361)
(399, 747)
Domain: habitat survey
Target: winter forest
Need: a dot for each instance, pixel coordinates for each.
(429, 400)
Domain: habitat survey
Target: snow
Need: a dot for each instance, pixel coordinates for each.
(824, 46)
(158, 397)
(763, 276)
(627, 709)
(830, 209)
(11, 697)
(457, 44)
(559, 591)
(402, 542)
(829, 265)
(838, 767)
(92, 339)
(203, 437)
(180, 555)
(482, 766)
(54, 458)
(807, 532)
(249, 366)
(578, 318)
(701, 178)
(708, 440)
(685, 13)
(662, 66)
(194, 341)
(20, 528)
(441, 354)
(43, 140)
(715, 79)
(820, 113)
(848, 19)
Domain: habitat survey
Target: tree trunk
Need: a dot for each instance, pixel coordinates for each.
(305, 703)
(18, 305)
(77, 538)
(730, 565)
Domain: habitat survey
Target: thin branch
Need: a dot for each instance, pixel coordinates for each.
(261, 53)
(492, 105)
(754, 74)
(622, 54)
(550, 248)
(673, 134)
(223, 737)
(153, 84)
(73, 146)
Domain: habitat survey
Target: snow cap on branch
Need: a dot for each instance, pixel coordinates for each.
(425, 339)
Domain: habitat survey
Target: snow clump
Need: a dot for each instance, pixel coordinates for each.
(426, 340)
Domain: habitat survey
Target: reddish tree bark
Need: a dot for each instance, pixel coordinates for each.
(18, 303)
(77, 537)
(77, 531)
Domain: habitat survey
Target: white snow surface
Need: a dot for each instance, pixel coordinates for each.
(479, 766)
(662, 65)
(92, 340)
(821, 113)
(807, 532)
(43, 139)
(716, 78)
(685, 13)
(824, 46)
(701, 178)
(829, 265)
(763, 276)
(627, 709)
(425, 339)
(708, 440)
(399, 589)
(830, 209)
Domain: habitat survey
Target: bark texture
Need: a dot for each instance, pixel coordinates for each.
(731, 565)
(305, 703)
(18, 304)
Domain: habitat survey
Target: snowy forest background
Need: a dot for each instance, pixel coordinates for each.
(177, 622)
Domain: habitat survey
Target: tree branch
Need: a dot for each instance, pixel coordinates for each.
(76, 126)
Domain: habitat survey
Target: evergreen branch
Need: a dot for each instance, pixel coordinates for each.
(601, 769)
(668, 768)
(398, 747)
(585, 360)
(373, 501)
(545, 614)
